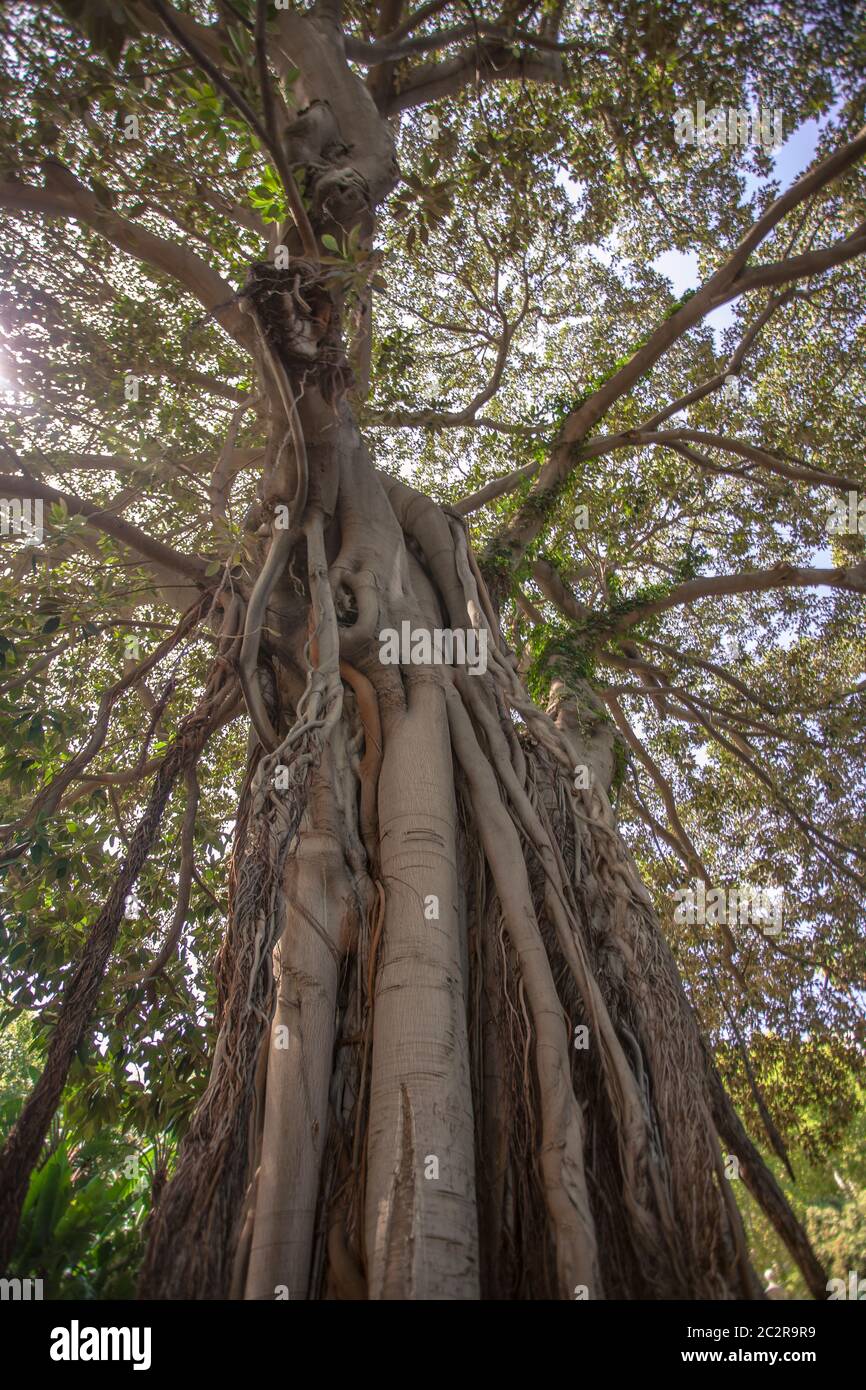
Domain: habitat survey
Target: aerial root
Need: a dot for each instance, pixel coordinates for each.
(197, 1228)
(562, 1140)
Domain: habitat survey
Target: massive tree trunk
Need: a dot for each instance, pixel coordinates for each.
(473, 1070)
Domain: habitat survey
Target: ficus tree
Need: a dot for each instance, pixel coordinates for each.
(325, 322)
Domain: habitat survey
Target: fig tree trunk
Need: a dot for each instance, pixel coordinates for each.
(454, 1056)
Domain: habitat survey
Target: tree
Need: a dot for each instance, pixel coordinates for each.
(445, 1050)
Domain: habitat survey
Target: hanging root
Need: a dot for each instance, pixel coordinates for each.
(369, 765)
(289, 436)
(282, 544)
(196, 1228)
(562, 1131)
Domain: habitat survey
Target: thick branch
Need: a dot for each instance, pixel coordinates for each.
(392, 50)
(781, 576)
(491, 491)
(555, 591)
(489, 61)
(797, 267)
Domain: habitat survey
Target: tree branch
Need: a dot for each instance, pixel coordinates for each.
(433, 81)
(685, 846)
(550, 584)
(717, 289)
(797, 470)
(491, 491)
(797, 267)
(390, 50)
(733, 364)
(781, 576)
(721, 672)
(820, 838)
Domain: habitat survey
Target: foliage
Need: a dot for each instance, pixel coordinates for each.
(83, 1220)
(830, 1198)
